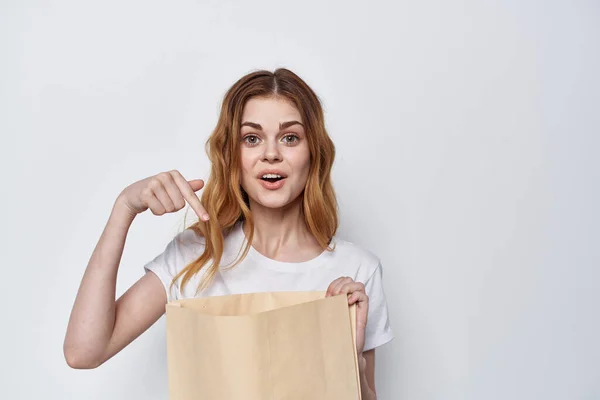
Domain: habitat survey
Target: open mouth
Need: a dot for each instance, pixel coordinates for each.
(272, 178)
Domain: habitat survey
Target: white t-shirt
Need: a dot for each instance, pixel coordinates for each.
(258, 273)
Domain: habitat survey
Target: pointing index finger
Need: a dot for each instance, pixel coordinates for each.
(189, 195)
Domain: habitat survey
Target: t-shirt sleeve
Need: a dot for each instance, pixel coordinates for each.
(168, 263)
(378, 331)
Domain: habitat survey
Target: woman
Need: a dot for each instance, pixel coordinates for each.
(271, 220)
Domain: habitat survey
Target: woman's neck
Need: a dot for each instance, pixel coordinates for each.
(281, 234)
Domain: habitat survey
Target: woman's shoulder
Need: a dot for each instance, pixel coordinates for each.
(192, 235)
(184, 247)
(191, 241)
(350, 253)
(347, 248)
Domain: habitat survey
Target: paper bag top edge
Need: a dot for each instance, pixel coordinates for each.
(246, 303)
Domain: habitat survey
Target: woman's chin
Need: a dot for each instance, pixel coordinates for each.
(275, 202)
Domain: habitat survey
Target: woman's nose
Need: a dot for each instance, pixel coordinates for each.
(272, 153)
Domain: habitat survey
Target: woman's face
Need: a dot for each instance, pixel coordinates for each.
(274, 152)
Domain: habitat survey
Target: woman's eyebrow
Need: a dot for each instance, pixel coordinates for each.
(282, 125)
(252, 125)
(288, 124)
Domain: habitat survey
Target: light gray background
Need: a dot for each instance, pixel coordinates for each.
(467, 136)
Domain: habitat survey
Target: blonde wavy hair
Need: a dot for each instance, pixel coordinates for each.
(223, 197)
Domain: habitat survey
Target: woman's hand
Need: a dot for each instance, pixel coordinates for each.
(356, 295)
(163, 193)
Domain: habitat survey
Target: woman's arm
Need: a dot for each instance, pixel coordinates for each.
(99, 327)
(367, 375)
(366, 362)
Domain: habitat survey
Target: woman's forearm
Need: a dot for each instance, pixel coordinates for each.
(366, 392)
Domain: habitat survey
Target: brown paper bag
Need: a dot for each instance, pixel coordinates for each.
(262, 346)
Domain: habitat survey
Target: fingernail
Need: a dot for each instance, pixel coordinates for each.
(205, 217)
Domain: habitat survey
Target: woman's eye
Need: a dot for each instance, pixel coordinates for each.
(251, 140)
(290, 139)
